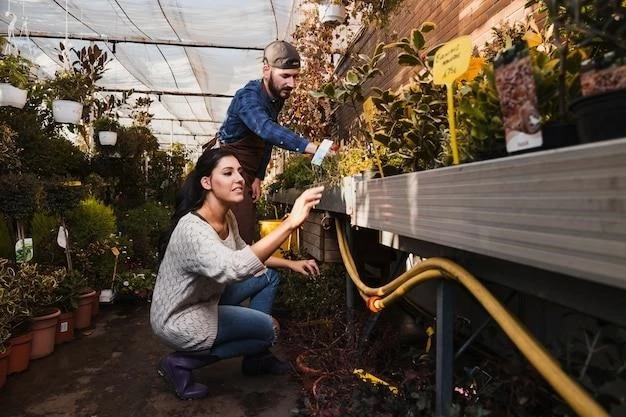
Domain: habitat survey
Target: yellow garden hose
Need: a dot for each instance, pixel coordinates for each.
(436, 268)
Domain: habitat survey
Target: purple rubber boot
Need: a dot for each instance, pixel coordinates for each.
(176, 367)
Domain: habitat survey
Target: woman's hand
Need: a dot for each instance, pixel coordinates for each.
(303, 205)
(305, 267)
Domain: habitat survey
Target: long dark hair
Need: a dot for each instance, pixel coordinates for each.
(191, 195)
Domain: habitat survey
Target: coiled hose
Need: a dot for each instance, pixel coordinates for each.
(437, 268)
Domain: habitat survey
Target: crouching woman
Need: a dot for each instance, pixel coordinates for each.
(207, 270)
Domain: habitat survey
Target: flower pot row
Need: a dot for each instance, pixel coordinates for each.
(47, 330)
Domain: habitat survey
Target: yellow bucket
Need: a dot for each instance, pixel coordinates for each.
(291, 243)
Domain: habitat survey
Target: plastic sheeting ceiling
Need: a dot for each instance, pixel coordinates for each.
(205, 48)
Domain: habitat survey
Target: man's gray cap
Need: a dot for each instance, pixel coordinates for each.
(281, 54)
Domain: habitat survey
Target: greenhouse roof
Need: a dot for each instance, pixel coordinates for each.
(189, 56)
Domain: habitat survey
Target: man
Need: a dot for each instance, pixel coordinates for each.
(251, 128)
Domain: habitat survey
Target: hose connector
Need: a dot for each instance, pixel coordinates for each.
(373, 306)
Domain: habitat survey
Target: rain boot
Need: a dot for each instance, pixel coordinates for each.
(264, 363)
(176, 367)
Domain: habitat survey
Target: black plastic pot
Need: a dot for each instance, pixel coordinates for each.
(601, 116)
(554, 135)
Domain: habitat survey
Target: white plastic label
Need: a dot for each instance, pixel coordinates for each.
(321, 152)
(64, 327)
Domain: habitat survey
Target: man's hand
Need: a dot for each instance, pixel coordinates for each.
(306, 267)
(256, 190)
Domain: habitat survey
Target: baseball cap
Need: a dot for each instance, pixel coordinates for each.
(281, 54)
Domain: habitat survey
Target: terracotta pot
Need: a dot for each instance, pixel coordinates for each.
(95, 307)
(44, 332)
(65, 328)
(4, 365)
(20, 354)
(83, 313)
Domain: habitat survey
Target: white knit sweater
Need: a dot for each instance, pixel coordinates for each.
(195, 269)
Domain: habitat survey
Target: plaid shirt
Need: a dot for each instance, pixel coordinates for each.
(253, 112)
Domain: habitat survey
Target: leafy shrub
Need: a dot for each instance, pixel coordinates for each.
(46, 250)
(143, 226)
(90, 221)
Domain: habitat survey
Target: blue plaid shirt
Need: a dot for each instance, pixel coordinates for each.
(253, 112)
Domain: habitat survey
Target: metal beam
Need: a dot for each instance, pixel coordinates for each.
(164, 93)
(134, 39)
(171, 119)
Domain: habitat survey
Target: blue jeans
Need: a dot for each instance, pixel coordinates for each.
(243, 331)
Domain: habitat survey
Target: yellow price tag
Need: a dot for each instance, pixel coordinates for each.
(116, 251)
(451, 61)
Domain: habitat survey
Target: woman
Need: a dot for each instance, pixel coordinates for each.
(207, 270)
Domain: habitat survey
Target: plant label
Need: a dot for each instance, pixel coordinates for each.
(452, 60)
(321, 152)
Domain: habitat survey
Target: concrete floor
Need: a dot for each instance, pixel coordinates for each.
(110, 371)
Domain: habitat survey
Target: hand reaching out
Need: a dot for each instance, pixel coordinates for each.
(306, 267)
(303, 205)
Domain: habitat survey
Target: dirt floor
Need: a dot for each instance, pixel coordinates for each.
(110, 371)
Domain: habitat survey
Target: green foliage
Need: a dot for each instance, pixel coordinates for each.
(18, 195)
(90, 221)
(105, 124)
(44, 231)
(139, 283)
(15, 70)
(351, 87)
(9, 151)
(36, 287)
(52, 156)
(69, 289)
(6, 239)
(596, 26)
(315, 298)
(96, 261)
(60, 198)
(143, 225)
(77, 80)
(166, 173)
(298, 173)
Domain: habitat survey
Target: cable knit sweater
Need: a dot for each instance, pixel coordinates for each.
(196, 267)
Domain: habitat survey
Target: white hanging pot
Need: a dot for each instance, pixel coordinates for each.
(107, 138)
(67, 111)
(12, 96)
(107, 295)
(332, 13)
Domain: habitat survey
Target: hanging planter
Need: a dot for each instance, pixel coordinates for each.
(67, 111)
(106, 128)
(332, 12)
(14, 80)
(12, 96)
(107, 138)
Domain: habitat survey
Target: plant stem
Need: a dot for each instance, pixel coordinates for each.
(590, 352)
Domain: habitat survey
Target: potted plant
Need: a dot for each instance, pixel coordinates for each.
(74, 85)
(15, 314)
(106, 128)
(40, 300)
(69, 291)
(331, 12)
(596, 27)
(14, 80)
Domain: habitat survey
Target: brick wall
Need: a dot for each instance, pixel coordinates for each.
(452, 17)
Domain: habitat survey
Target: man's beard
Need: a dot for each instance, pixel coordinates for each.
(277, 92)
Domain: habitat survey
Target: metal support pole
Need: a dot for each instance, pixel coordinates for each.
(445, 348)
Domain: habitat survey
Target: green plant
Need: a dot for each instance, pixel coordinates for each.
(12, 307)
(140, 112)
(9, 150)
(139, 283)
(90, 221)
(143, 225)
(16, 70)
(69, 290)
(105, 124)
(44, 231)
(298, 173)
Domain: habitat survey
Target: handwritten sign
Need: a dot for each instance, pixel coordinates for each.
(452, 60)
